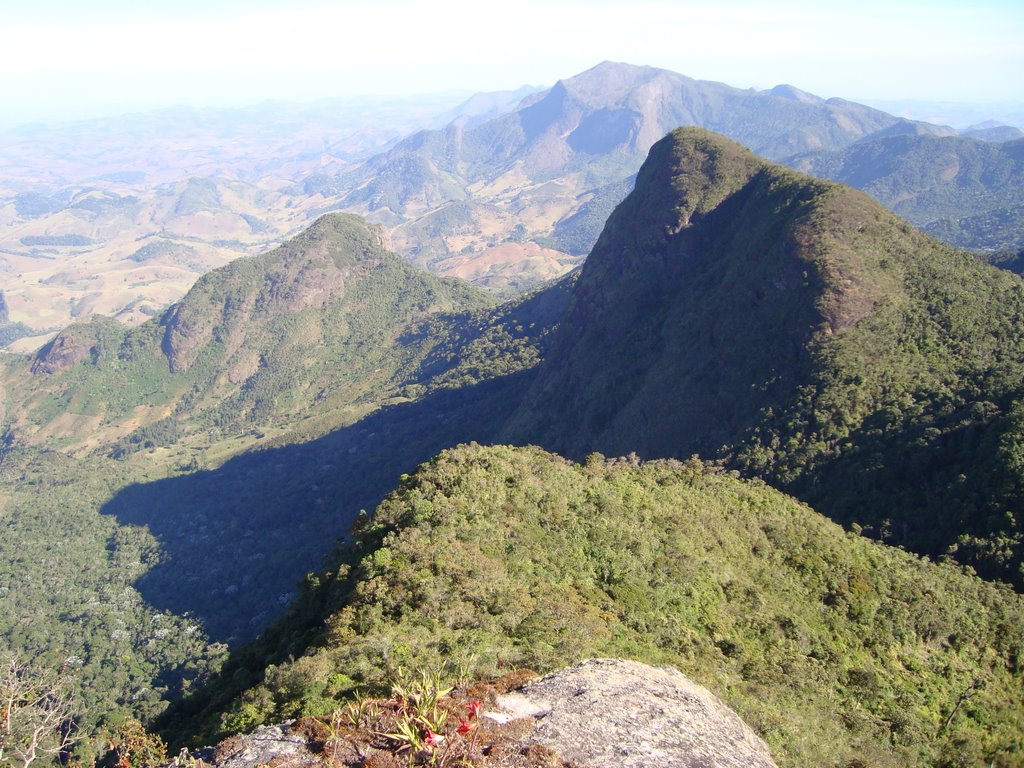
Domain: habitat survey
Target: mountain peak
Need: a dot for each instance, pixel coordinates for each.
(701, 167)
(610, 82)
(310, 270)
(795, 94)
(692, 173)
(686, 175)
(755, 260)
(346, 232)
(614, 68)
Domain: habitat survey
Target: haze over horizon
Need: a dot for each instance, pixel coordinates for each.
(65, 61)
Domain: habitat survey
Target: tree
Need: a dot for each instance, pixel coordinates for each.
(132, 746)
(37, 713)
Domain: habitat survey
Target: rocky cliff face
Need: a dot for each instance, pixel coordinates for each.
(64, 351)
(78, 342)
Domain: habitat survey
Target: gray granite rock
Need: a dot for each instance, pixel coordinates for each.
(622, 714)
(277, 744)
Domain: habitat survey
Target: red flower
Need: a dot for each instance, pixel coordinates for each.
(474, 708)
(433, 739)
(465, 727)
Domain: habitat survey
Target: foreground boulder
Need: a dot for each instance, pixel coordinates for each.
(609, 713)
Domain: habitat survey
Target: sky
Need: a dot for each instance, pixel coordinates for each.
(61, 59)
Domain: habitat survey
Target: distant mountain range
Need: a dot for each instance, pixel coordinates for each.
(551, 170)
(507, 190)
(965, 116)
(478, 201)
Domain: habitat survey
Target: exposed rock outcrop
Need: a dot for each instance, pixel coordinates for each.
(78, 342)
(611, 713)
(272, 743)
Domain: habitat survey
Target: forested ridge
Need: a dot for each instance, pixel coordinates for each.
(490, 558)
(802, 333)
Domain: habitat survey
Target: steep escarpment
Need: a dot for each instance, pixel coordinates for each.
(710, 284)
(803, 333)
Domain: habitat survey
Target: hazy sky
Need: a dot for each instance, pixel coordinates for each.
(62, 58)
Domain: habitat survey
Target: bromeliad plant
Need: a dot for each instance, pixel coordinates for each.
(424, 721)
(421, 697)
(420, 716)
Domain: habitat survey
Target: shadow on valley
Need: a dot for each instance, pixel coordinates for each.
(236, 541)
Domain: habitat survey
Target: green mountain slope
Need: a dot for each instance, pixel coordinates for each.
(310, 329)
(839, 651)
(163, 489)
(965, 191)
(798, 330)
